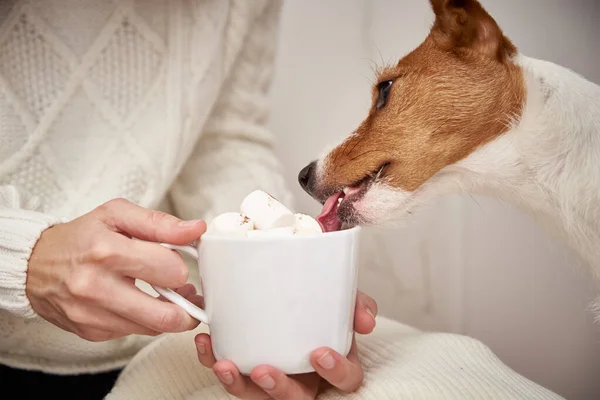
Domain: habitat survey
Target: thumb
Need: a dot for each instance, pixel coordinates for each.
(150, 225)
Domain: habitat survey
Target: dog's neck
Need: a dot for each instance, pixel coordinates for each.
(549, 163)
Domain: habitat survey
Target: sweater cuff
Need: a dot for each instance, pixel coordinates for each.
(19, 232)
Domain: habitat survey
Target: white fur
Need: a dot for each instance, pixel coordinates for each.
(548, 163)
(324, 159)
(381, 204)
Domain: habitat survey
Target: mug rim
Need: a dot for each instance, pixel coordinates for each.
(348, 231)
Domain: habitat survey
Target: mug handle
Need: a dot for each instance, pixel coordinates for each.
(174, 297)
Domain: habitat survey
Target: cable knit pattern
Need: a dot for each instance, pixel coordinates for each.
(399, 361)
(160, 102)
(164, 103)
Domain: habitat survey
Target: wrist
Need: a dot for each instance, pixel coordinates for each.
(19, 232)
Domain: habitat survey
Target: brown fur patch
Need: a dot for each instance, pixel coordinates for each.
(455, 92)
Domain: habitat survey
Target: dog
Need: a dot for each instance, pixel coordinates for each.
(466, 112)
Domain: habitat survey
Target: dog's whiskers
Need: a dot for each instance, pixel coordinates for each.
(380, 171)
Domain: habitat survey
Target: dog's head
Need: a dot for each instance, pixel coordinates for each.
(455, 92)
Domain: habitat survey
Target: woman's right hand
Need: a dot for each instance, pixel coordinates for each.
(81, 274)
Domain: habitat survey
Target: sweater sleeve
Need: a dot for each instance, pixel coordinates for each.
(20, 228)
(235, 154)
(400, 362)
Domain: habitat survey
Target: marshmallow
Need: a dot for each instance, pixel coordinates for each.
(306, 225)
(285, 231)
(263, 216)
(266, 211)
(230, 224)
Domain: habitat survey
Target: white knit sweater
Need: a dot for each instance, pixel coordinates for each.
(160, 102)
(164, 103)
(400, 363)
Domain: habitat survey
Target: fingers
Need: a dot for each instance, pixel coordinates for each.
(90, 334)
(149, 262)
(236, 384)
(97, 335)
(131, 303)
(364, 315)
(151, 225)
(188, 292)
(368, 302)
(281, 387)
(197, 300)
(204, 350)
(89, 318)
(344, 373)
(265, 382)
(184, 291)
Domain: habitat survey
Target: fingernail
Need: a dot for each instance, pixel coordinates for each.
(189, 223)
(266, 382)
(226, 377)
(368, 311)
(326, 361)
(201, 348)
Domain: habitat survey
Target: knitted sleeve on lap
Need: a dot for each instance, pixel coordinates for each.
(20, 228)
(235, 153)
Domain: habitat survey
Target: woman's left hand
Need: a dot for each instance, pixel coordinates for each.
(266, 382)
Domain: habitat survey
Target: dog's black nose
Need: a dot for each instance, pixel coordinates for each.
(306, 177)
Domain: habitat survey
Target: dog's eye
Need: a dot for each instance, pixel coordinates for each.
(383, 89)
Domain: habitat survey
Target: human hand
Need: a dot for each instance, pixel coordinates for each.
(81, 274)
(266, 382)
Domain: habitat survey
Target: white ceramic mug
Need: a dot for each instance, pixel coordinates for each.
(274, 300)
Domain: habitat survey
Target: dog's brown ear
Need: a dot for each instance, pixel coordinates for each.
(464, 27)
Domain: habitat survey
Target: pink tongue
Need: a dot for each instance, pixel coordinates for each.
(328, 219)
